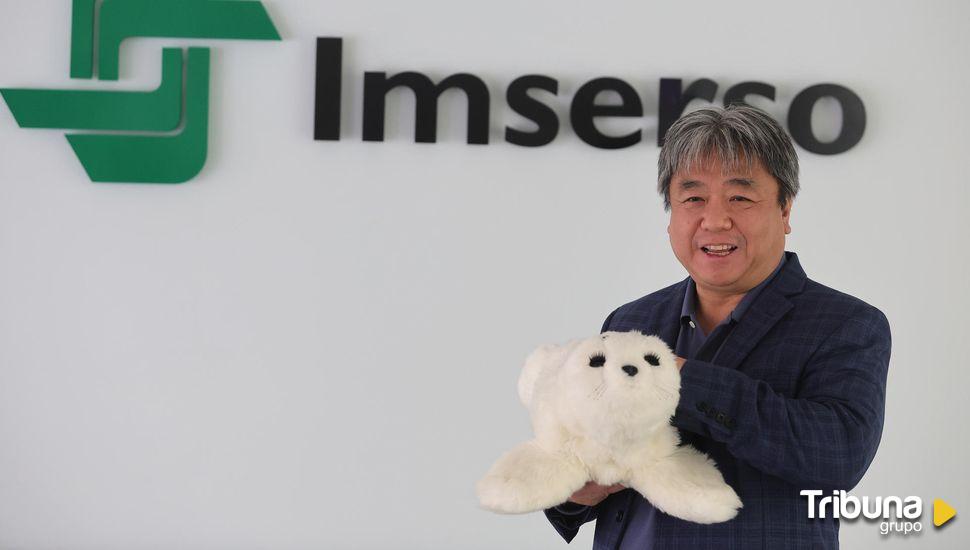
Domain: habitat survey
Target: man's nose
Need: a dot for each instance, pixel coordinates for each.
(716, 217)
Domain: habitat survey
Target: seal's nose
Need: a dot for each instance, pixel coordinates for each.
(630, 369)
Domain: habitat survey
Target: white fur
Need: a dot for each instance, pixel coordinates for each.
(601, 424)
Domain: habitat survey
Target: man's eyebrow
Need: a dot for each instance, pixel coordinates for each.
(694, 184)
(690, 184)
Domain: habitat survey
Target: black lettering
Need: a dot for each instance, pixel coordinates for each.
(426, 94)
(545, 118)
(736, 94)
(584, 110)
(853, 119)
(326, 101)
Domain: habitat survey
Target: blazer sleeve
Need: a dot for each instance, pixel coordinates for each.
(825, 436)
(568, 517)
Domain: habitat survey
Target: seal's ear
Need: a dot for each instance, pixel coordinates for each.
(542, 362)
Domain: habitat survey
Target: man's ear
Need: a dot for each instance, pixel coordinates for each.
(786, 216)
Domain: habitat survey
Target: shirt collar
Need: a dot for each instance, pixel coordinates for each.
(690, 299)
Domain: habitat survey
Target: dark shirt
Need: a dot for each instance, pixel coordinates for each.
(691, 338)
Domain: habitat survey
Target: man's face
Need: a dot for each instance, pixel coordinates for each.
(727, 228)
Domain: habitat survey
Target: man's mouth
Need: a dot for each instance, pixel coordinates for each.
(719, 249)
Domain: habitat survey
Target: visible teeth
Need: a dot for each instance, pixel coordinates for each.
(719, 247)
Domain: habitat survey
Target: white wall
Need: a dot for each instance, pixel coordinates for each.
(315, 344)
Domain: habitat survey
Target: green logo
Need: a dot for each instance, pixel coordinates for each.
(156, 136)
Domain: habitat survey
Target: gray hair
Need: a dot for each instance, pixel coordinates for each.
(738, 135)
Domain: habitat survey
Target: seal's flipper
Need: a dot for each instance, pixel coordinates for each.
(528, 479)
(689, 486)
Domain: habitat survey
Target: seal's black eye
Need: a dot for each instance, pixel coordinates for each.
(597, 360)
(652, 359)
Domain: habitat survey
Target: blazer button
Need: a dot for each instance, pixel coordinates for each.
(619, 516)
(719, 418)
(702, 406)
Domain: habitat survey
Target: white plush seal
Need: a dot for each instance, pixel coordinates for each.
(601, 410)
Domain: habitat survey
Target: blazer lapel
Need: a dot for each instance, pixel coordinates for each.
(666, 325)
(660, 317)
(767, 309)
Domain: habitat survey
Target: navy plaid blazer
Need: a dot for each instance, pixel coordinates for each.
(796, 401)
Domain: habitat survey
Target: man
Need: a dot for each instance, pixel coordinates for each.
(782, 379)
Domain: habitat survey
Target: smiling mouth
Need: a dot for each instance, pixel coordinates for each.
(719, 249)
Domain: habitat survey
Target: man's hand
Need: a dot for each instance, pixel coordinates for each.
(592, 494)
(680, 362)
